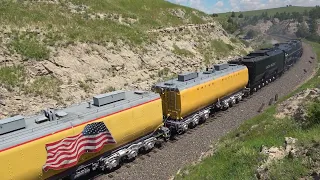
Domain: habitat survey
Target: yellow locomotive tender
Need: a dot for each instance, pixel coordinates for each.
(189, 98)
(98, 135)
(52, 146)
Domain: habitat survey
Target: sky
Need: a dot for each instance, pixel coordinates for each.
(218, 6)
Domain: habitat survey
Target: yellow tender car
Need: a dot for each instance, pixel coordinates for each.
(189, 98)
(73, 141)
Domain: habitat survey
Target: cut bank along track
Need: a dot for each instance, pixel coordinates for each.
(165, 162)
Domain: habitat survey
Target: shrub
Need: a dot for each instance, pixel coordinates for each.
(163, 72)
(85, 86)
(30, 48)
(313, 114)
(109, 89)
(11, 77)
(182, 52)
(47, 86)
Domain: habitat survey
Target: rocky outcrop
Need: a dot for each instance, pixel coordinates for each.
(191, 27)
(276, 154)
(296, 105)
(86, 69)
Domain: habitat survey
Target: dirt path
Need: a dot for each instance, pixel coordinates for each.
(164, 163)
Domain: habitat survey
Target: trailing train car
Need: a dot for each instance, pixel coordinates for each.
(292, 50)
(289, 53)
(297, 45)
(264, 66)
(189, 98)
(73, 141)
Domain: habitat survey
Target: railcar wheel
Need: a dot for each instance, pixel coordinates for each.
(180, 131)
(230, 103)
(192, 125)
(204, 119)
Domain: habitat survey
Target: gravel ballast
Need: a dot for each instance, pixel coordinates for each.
(164, 163)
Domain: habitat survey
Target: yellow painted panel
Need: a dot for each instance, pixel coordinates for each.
(195, 98)
(26, 161)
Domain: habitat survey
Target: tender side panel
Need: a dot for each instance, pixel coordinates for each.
(192, 99)
(26, 161)
(265, 68)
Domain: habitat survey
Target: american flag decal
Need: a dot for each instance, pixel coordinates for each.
(66, 152)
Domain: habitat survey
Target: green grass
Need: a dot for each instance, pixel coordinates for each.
(108, 89)
(45, 86)
(30, 48)
(288, 169)
(271, 12)
(71, 27)
(182, 52)
(85, 86)
(164, 72)
(215, 49)
(220, 48)
(264, 45)
(11, 77)
(237, 155)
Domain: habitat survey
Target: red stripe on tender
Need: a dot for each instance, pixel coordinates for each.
(77, 125)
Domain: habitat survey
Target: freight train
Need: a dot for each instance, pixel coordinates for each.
(101, 134)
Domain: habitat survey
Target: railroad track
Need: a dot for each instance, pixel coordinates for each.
(164, 162)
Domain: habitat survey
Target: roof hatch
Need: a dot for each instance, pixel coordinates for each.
(12, 124)
(187, 76)
(169, 83)
(219, 67)
(140, 92)
(108, 98)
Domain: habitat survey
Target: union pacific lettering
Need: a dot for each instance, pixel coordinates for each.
(270, 65)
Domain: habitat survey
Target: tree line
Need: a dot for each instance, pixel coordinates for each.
(309, 29)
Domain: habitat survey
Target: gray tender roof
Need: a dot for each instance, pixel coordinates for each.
(73, 115)
(260, 55)
(203, 77)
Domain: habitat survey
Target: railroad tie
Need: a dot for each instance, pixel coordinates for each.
(276, 98)
(261, 107)
(270, 101)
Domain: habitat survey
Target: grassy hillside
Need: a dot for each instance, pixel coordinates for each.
(238, 156)
(93, 21)
(271, 12)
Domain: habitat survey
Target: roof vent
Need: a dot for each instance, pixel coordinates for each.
(61, 113)
(187, 76)
(220, 67)
(12, 124)
(140, 92)
(209, 71)
(41, 119)
(169, 83)
(108, 98)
